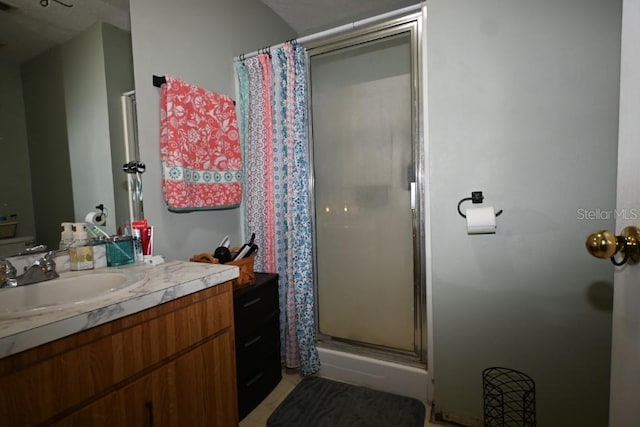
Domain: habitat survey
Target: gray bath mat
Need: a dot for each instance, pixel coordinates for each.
(318, 402)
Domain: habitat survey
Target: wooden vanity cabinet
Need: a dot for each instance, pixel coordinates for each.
(182, 392)
(171, 365)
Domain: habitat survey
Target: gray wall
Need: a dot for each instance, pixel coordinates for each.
(72, 99)
(48, 149)
(523, 103)
(85, 88)
(195, 42)
(119, 79)
(15, 189)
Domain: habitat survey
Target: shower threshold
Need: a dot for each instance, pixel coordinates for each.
(406, 358)
(393, 374)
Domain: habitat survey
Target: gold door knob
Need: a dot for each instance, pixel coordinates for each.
(605, 244)
(602, 244)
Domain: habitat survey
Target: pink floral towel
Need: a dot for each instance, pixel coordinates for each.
(199, 148)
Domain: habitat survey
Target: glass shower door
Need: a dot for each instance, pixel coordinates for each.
(363, 163)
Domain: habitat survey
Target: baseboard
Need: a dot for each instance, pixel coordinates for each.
(454, 420)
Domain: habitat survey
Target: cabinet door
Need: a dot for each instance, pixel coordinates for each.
(131, 405)
(196, 389)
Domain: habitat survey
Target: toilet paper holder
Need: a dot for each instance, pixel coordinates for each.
(476, 197)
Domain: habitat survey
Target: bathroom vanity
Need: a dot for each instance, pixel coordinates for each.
(158, 352)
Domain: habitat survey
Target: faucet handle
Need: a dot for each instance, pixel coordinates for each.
(47, 262)
(7, 274)
(7, 270)
(35, 249)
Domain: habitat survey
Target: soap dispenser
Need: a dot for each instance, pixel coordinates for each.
(81, 251)
(66, 236)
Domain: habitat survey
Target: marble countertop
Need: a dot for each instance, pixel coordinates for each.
(150, 286)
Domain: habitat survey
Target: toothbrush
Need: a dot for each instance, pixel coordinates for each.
(97, 231)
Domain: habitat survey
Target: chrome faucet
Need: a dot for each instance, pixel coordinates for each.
(7, 274)
(37, 249)
(41, 270)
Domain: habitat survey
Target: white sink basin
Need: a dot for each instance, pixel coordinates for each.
(60, 293)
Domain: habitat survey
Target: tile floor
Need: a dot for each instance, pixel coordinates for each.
(258, 417)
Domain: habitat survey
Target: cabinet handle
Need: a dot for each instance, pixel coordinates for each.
(149, 407)
(254, 379)
(250, 303)
(253, 341)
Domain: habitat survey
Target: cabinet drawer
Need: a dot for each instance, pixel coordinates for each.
(253, 306)
(254, 387)
(251, 349)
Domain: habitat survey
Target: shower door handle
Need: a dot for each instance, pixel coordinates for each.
(412, 189)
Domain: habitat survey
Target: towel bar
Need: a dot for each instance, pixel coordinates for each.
(158, 81)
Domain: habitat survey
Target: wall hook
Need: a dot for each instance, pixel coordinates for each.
(476, 197)
(605, 244)
(134, 166)
(158, 81)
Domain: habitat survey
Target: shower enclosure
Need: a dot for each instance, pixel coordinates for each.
(367, 178)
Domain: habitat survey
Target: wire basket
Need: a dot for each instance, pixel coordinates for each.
(509, 398)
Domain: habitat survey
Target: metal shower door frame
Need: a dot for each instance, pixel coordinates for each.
(409, 24)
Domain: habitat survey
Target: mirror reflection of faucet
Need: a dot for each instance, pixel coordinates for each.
(41, 270)
(34, 250)
(7, 274)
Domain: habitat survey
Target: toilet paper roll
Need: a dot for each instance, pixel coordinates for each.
(481, 220)
(96, 218)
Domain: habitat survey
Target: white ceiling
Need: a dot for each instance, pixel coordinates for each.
(27, 28)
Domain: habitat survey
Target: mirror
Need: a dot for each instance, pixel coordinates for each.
(63, 71)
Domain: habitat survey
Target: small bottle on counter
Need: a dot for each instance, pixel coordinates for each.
(66, 236)
(81, 250)
(137, 245)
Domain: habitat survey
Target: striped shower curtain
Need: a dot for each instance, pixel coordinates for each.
(273, 130)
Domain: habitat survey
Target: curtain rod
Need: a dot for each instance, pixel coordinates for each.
(335, 30)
